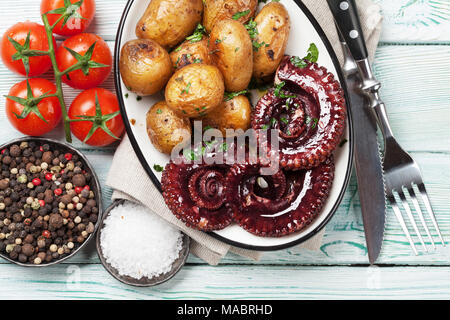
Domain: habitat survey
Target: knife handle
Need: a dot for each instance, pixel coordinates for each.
(346, 17)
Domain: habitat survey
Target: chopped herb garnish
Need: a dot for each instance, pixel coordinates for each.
(237, 49)
(158, 168)
(197, 60)
(186, 90)
(284, 120)
(343, 142)
(189, 154)
(273, 122)
(251, 28)
(177, 49)
(207, 128)
(126, 95)
(311, 56)
(197, 35)
(280, 94)
(239, 15)
(257, 45)
(223, 147)
(138, 98)
(159, 111)
(315, 121)
(232, 95)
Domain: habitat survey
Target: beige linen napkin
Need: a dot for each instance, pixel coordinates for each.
(136, 186)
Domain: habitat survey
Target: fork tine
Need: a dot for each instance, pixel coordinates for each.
(400, 219)
(410, 216)
(420, 213)
(423, 192)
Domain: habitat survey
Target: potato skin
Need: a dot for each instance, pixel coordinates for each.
(233, 114)
(232, 52)
(195, 90)
(191, 52)
(273, 25)
(165, 128)
(169, 22)
(216, 10)
(145, 66)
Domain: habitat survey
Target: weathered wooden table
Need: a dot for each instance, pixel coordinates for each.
(413, 63)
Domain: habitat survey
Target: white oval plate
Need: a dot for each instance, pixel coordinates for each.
(305, 30)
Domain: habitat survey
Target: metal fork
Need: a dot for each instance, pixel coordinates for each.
(401, 171)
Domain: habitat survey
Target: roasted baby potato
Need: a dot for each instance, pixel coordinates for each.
(273, 27)
(167, 129)
(232, 52)
(168, 22)
(233, 114)
(195, 90)
(216, 10)
(191, 52)
(145, 66)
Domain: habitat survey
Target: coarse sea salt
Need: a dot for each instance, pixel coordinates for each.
(138, 243)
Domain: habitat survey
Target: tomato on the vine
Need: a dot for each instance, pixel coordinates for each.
(77, 15)
(31, 107)
(95, 117)
(94, 55)
(19, 41)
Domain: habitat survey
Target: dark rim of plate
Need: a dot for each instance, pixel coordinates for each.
(94, 184)
(141, 157)
(144, 281)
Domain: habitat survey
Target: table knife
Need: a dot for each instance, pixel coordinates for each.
(369, 170)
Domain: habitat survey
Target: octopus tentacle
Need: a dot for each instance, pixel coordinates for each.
(195, 194)
(309, 111)
(292, 200)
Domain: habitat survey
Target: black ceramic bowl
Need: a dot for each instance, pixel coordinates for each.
(144, 281)
(94, 186)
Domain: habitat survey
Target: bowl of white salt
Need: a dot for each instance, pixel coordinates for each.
(139, 248)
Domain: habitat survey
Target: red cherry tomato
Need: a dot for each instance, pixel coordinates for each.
(81, 44)
(49, 108)
(85, 105)
(73, 25)
(37, 41)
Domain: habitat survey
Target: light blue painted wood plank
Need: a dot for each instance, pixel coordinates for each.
(246, 282)
(415, 21)
(416, 89)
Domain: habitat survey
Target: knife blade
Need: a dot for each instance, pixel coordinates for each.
(368, 165)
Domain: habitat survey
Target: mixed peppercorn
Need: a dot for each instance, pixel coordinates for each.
(47, 207)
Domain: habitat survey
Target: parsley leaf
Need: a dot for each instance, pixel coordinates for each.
(231, 95)
(280, 94)
(311, 56)
(239, 15)
(198, 34)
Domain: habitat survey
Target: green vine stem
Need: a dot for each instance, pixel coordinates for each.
(58, 76)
